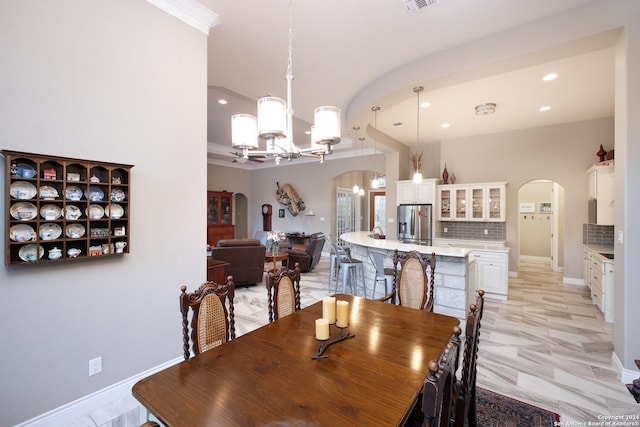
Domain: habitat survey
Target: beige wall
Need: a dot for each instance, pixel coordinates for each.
(119, 81)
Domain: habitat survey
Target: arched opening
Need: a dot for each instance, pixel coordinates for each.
(241, 219)
(352, 210)
(540, 225)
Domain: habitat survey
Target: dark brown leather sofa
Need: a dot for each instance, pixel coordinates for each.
(307, 256)
(245, 258)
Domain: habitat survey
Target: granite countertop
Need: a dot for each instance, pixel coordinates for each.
(362, 238)
(599, 250)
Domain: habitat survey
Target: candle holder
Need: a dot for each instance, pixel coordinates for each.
(324, 344)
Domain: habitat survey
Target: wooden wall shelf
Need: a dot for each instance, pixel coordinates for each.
(63, 209)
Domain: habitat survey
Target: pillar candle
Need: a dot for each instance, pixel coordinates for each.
(322, 329)
(342, 315)
(329, 309)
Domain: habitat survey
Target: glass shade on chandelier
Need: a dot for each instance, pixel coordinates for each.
(272, 117)
(326, 125)
(244, 131)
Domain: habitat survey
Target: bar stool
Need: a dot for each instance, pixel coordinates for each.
(382, 273)
(333, 265)
(350, 270)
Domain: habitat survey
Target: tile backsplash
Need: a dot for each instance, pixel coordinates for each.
(471, 230)
(593, 234)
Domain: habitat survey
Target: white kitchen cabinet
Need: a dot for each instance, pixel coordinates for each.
(602, 189)
(472, 202)
(492, 273)
(598, 276)
(409, 192)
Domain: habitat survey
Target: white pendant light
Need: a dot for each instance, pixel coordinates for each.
(375, 182)
(417, 176)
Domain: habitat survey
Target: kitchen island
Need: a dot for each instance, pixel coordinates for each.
(455, 278)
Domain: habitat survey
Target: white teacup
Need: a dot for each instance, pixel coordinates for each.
(120, 247)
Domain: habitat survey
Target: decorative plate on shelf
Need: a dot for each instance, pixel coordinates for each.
(114, 211)
(24, 211)
(72, 212)
(49, 231)
(50, 212)
(31, 252)
(23, 190)
(73, 193)
(95, 212)
(95, 194)
(75, 231)
(25, 171)
(48, 193)
(117, 195)
(22, 233)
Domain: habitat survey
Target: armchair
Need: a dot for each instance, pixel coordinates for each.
(307, 256)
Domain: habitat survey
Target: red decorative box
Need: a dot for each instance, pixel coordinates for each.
(50, 174)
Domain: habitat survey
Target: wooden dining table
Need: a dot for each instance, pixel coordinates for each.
(268, 376)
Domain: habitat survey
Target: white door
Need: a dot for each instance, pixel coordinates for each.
(346, 214)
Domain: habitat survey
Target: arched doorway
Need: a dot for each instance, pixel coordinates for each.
(241, 219)
(541, 223)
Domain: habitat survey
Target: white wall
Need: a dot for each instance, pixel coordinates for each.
(118, 81)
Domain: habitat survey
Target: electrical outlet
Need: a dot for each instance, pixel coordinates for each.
(95, 366)
(446, 230)
(486, 231)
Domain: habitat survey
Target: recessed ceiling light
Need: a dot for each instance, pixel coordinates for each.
(444, 125)
(545, 108)
(222, 101)
(550, 76)
(425, 104)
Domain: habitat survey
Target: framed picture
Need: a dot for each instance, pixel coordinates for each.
(281, 213)
(527, 207)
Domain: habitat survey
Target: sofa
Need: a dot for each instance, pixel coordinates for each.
(245, 257)
(307, 256)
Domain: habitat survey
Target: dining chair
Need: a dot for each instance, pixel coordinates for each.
(283, 292)
(466, 387)
(384, 274)
(349, 267)
(438, 397)
(411, 286)
(212, 324)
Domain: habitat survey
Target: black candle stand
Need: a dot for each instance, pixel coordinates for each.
(326, 343)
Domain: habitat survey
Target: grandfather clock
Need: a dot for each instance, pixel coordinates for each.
(266, 217)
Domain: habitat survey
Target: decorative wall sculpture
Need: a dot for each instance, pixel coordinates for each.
(288, 196)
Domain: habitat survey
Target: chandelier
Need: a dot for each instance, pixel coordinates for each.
(274, 125)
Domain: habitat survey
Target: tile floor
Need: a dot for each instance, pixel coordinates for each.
(546, 345)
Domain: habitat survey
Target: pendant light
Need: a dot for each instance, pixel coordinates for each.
(417, 176)
(375, 183)
(361, 191)
(356, 187)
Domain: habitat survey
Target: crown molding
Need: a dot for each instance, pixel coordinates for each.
(190, 12)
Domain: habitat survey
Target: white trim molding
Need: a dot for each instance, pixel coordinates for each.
(190, 12)
(66, 414)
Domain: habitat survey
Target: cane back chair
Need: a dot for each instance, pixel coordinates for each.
(283, 292)
(212, 323)
(411, 286)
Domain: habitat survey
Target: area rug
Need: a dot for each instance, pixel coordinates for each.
(496, 410)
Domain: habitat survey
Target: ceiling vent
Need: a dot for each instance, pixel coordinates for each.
(414, 6)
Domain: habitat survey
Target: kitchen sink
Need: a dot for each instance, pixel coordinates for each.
(608, 256)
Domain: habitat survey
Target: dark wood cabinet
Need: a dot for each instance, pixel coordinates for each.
(62, 209)
(219, 216)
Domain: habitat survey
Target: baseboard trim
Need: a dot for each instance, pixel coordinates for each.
(573, 281)
(535, 258)
(67, 413)
(626, 375)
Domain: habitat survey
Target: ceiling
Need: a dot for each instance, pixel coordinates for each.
(355, 54)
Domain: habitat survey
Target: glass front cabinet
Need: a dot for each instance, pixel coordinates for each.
(472, 202)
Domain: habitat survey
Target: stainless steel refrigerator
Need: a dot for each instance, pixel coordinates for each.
(414, 224)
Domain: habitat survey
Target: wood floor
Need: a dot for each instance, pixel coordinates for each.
(546, 345)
